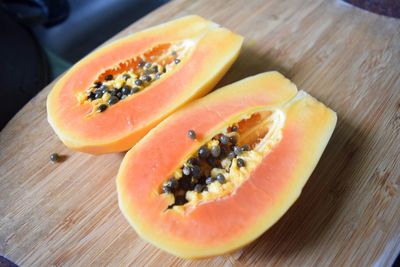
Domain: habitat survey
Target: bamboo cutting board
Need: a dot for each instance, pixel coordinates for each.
(66, 214)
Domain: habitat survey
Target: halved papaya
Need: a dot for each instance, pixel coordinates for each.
(219, 172)
(110, 99)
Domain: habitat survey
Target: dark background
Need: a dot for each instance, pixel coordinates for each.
(40, 39)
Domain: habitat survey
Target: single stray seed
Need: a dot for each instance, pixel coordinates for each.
(177, 61)
(138, 82)
(141, 64)
(108, 77)
(192, 134)
(126, 76)
(234, 128)
(54, 157)
(147, 65)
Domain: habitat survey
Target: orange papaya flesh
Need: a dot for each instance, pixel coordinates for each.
(191, 55)
(286, 131)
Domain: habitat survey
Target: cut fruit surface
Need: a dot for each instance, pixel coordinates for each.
(170, 186)
(113, 97)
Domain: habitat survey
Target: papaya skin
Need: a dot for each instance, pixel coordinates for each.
(122, 125)
(221, 226)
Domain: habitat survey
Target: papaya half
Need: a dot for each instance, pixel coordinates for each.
(114, 96)
(219, 172)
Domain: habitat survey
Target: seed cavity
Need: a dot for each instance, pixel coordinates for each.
(224, 162)
(133, 75)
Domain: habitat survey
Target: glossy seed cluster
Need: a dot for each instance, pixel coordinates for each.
(114, 88)
(197, 172)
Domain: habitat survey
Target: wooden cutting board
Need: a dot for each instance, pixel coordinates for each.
(348, 214)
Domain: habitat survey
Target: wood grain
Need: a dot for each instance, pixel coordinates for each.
(66, 214)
